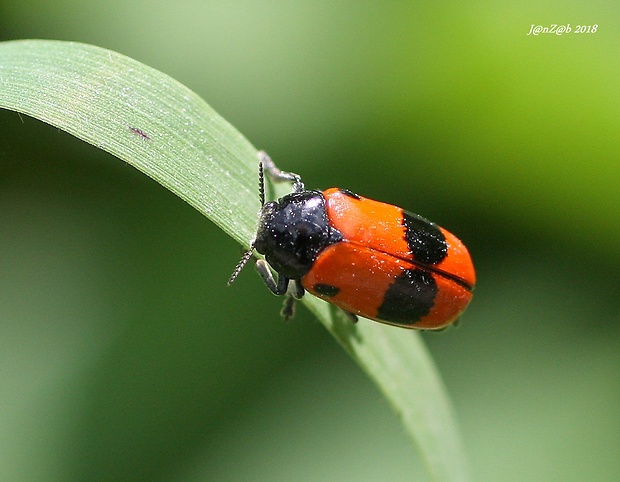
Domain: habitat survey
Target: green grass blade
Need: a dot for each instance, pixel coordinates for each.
(165, 130)
(141, 116)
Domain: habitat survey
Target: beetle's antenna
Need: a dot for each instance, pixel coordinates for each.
(244, 260)
(248, 254)
(261, 183)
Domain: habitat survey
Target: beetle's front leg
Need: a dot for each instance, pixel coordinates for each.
(279, 287)
(283, 286)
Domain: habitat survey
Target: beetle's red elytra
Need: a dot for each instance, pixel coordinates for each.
(369, 258)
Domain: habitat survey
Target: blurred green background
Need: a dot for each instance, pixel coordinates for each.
(124, 356)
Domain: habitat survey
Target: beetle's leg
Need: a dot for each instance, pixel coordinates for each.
(293, 290)
(276, 287)
(296, 290)
(288, 308)
(277, 175)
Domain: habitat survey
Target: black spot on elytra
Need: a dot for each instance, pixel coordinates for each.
(409, 298)
(326, 290)
(426, 241)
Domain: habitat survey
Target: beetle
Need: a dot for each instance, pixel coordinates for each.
(367, 257)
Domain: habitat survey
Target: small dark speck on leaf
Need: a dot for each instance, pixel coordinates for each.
(139, 132)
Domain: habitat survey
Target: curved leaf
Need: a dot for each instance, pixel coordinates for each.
(165, 130)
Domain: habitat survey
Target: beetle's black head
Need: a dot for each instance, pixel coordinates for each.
(293, 231)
